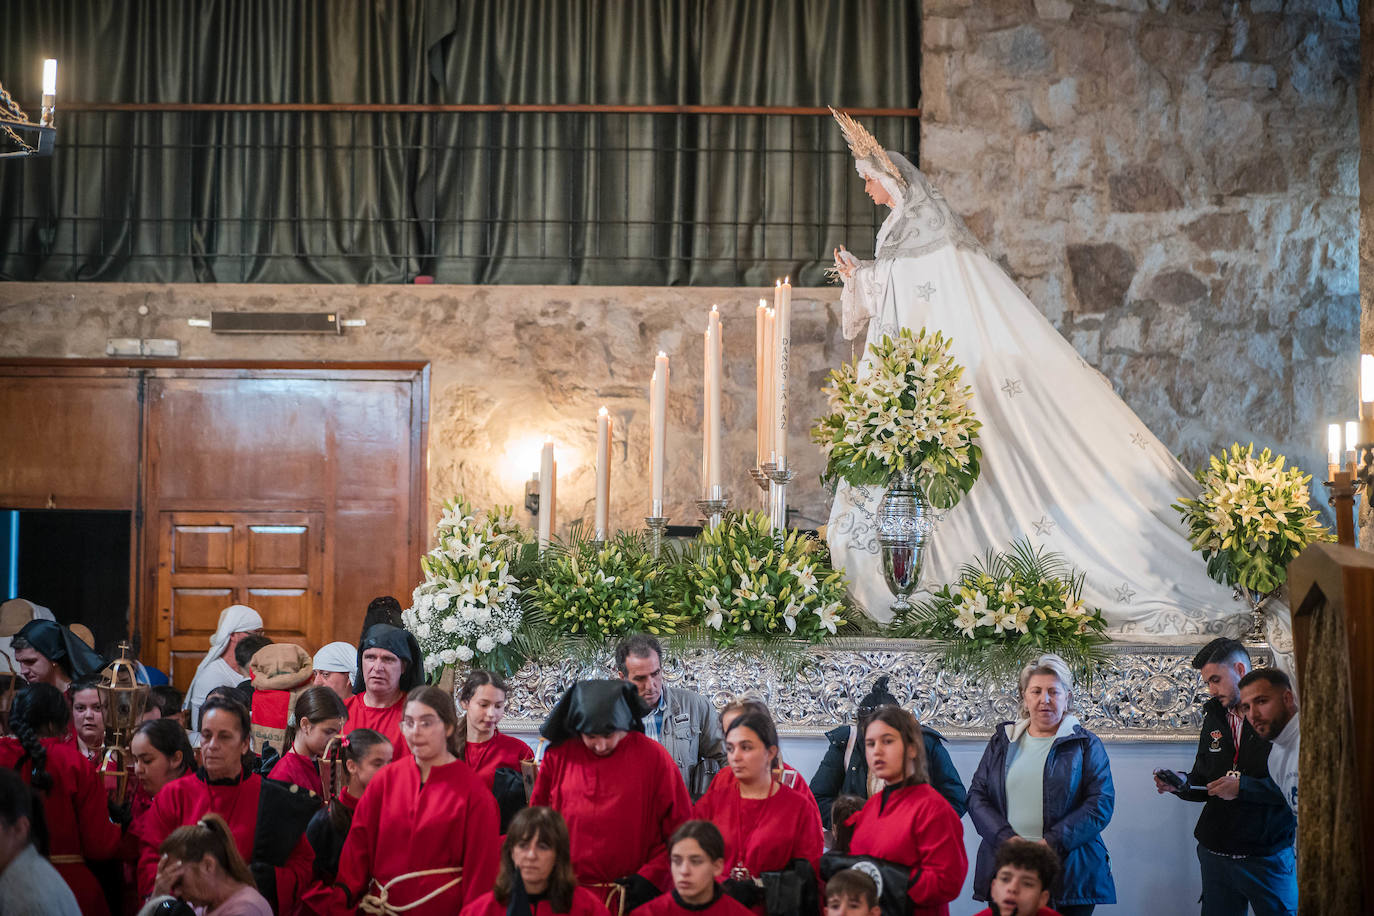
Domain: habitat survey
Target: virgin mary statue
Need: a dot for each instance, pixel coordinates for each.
(1065, 463)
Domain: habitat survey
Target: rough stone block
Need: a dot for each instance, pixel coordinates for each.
(1264, 174)
(1054, 9)
(1221, 232)
(1143, 189)
(1244, 77)
(1102, 275)
(943, 34)
(1018, 51)
(1178, 287)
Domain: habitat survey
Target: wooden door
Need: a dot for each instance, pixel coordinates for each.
(271, 561)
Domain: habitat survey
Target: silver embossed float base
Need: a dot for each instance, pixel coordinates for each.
(1146, 692)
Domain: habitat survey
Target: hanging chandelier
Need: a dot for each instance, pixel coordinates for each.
(20, 137)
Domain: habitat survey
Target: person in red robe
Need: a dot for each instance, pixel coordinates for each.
(536, 877)
(162, 754)
(390, 665)
(619, 791)
(766, 826)
(426, 812)
(724, 781)
(697, 856)
(266, 818)
(72, 793)
(318, 716)
(494, 757)
(908, 823)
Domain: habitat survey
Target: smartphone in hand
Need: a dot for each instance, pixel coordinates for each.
(1171, 778)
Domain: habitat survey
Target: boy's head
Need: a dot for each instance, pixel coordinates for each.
(1022, 877)
(851, 893)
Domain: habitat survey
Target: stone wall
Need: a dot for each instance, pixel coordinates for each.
(1174, 182)
(509, 365)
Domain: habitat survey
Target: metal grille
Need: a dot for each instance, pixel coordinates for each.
(650, 195)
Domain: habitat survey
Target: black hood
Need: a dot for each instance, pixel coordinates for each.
(61, 646)
(399, 643)
(595, 708)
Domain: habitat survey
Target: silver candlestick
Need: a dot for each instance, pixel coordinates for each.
(657, 524)
(714, 507)
(778, 478)
(760, 476)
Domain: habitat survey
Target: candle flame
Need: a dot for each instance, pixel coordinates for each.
(548, 440)
(763, 303)
(787, 281)
(662, 355)
(713, 308)
(603, 412)
(777, 283)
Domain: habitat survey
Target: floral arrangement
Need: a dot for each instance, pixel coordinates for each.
(1008, 608)
(1252, 518)
(468, 607)
(740, 578)
(604, 590)
(902, 408)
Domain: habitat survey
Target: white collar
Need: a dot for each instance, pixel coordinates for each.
(1021, 726)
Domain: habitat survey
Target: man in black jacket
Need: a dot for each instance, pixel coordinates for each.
(1245, 833)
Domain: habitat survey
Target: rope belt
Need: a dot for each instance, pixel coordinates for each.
(67, 859)
(378, 905)
(614, 892)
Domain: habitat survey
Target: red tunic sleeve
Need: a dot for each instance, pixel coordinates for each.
(942, 863)
(299, 770)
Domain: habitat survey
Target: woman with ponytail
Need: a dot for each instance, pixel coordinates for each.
(364, 753)
(494, 757)
(200, 864)
(74, 802)
(317, 715)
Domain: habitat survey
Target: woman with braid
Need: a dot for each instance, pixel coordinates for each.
(74, 802)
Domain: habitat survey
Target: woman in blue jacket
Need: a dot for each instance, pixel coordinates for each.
(1046, 778)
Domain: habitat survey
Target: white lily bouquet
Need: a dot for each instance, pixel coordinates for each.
(1008, 608)
(740, 579)
(468, 608)
(904, 408)
(1252, 518)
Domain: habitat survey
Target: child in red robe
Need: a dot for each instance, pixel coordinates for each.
(725, 779)
(620, 792)
(426, 812)
(697, 854)
(390, 665)
(72, 793)
(318, 715)
(536, 876)
(908, 823)
(1022, 876)
(766, 825)
(267, 819)
(494, 757)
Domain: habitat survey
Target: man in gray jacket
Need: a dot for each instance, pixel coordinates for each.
(683, 721)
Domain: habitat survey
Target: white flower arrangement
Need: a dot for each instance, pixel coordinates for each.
(902, 408)
(1252, 518)
(468, 608)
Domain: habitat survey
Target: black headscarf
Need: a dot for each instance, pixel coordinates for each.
(595, 708)
(62, 647)
(875, 698)
(399, 643)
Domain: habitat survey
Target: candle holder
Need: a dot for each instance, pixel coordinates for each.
(760, 477)
(1342, 488)
(657, 524)
(778, 478)
(713, 510)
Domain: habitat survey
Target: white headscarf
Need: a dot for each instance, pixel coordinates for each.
(236, 618)
(338, 656)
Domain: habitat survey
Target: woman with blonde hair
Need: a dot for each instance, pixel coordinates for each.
(200, 864)
(1045, 778)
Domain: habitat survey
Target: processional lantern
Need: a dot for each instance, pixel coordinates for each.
(333, 768)
(22, 138)
(124, 700)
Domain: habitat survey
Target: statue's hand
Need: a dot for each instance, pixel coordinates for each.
(845, 263)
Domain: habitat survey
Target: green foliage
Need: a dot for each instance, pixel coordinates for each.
(1252, 518)
(601, 591)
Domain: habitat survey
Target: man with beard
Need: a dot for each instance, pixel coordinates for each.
(1266, 698)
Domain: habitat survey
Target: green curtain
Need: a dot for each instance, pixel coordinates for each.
(468, 198)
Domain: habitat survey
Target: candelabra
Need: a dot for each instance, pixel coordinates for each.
(657, 523)
(778, 478)
(714, 507)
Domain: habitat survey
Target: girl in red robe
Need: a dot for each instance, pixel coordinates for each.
(725, 779)
(264, 817)
(698, 861)
(73, 795)
(620, 793)
(537, 877)
(162, 754)
(390, 665)
(425, 812)
(765, 824)
(908, 823)
(317, 716)
(494, 757)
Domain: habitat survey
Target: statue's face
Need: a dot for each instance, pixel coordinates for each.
(874, 189)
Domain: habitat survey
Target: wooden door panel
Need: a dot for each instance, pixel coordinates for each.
(203, 549)
(286, 611)
(195, 611)
(278, 549)
(69, 442)
(183, 667)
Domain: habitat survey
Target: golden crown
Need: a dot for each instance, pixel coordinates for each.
(863, 145)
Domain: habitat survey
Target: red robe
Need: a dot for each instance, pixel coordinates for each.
(914, 826)
(724, 780)
(386, 720)
(1043, 911)
(327, 844)
(500, 751)
(765, 833)
(78, 819)
(668, 905)
(297, 770)
(584, 903)
(402, 826)
(620, 809)
(184, 801)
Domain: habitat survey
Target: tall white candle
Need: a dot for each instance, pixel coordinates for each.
(658, 414)
(760, 381)
(769, 381)
(706, 411)
(1333, 450)
(546, 497)
(716, 348)
(603, 473)
(782, 347)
